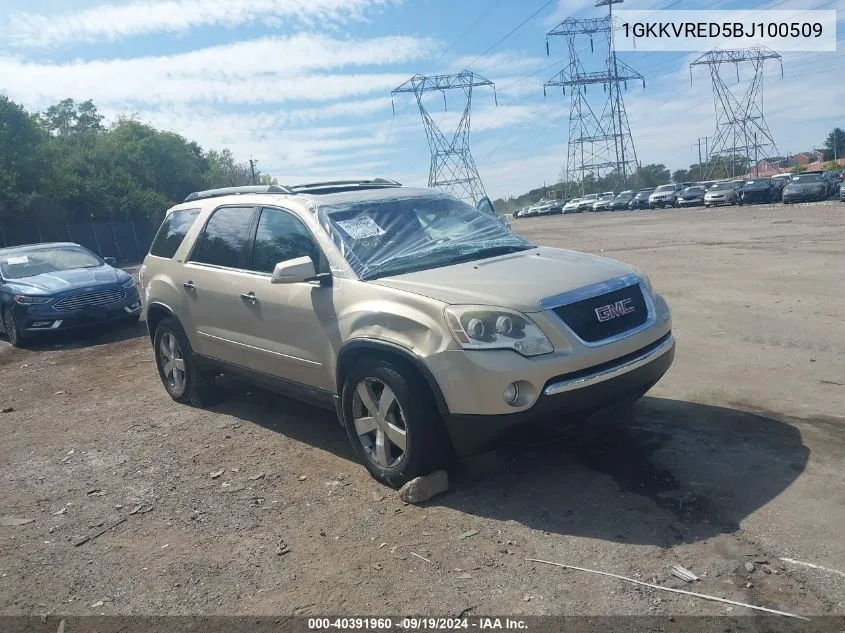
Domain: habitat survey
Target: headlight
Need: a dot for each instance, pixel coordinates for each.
(26, 300)
(129, 283)
(487, 327)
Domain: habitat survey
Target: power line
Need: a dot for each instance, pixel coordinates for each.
(512, 31)
(472, 26)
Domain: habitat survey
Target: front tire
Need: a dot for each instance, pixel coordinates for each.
(13, 330)
(392, 421)
(183, 379)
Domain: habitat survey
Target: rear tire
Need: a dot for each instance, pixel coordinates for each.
(392, 421)
(13, 331)
(180, 374)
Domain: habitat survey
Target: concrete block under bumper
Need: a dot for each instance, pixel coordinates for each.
(569, 396)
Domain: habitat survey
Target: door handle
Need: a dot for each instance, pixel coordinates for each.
(190, 286)
(249, 297)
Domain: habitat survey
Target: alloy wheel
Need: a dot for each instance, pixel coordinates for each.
(379, 422)
(172, 362)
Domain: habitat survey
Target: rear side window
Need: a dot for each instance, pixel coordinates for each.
(172, 231)
(223, 241)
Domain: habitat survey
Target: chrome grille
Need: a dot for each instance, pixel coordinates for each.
(89, 300)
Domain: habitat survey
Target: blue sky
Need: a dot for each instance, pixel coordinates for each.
(303, 85)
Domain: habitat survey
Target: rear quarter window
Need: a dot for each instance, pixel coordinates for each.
(172, 231)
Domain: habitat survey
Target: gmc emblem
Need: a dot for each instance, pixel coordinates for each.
(613, 310)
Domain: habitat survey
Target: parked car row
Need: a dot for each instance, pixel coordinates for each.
(805, 186)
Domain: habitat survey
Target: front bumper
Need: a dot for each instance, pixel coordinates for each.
(691, 202)
(38, 319)
(718, 201)
(585, 391)
(804, 196)
(756, 196)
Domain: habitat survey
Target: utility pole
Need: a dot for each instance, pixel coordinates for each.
(756, 164)
(252, 168)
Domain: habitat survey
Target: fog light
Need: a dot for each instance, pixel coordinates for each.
(42, 323)
(511, 394)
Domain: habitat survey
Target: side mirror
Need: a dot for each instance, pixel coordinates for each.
(111, 261)
(294, 271)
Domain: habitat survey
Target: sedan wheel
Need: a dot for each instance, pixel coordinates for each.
(379, 422)
(13, 332)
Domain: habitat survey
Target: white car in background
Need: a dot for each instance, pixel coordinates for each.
(573, 206)
(603, 201)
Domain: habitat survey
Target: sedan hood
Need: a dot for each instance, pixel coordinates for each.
(60, 281)
(518, 281)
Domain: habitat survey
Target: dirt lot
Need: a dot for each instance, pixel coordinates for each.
(737, 456)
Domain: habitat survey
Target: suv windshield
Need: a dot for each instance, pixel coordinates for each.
(665, 188)
(31, 262)
(399, 235)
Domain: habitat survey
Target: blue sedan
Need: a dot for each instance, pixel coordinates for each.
(60, 286)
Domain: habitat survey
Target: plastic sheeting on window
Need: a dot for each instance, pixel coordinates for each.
(391, 235)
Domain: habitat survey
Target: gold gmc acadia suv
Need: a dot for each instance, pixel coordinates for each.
(424, 322)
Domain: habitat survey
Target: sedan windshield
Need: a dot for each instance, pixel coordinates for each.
(720, 186)
(399, 235)
(41, 261)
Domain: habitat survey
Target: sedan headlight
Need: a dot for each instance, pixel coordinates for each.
(129, 283)
(487, 327)
(26, 300)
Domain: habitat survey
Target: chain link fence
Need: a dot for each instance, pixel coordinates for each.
(126, 240)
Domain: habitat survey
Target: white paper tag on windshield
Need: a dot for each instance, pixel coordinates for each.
(21, 259)
(361, 228)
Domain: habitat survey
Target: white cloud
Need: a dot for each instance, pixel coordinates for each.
(503, 62)
(113, 22)
(267, 70)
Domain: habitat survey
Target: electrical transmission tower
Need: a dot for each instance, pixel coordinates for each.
(452, 167)
(600, 142)
(742, 133)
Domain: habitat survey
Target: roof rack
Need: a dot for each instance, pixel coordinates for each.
(233, 191)
(339, 186)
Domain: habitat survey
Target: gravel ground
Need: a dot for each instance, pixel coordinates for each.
(731, 463)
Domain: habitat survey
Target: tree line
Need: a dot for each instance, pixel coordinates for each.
(65, 165)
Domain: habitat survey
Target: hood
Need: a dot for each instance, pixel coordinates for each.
(63, 280)
(518, 281)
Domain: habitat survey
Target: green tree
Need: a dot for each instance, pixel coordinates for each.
(681, 175)
(225, 171)
(834, 145)
(68, 117)
(651, 176)
(21, 155)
